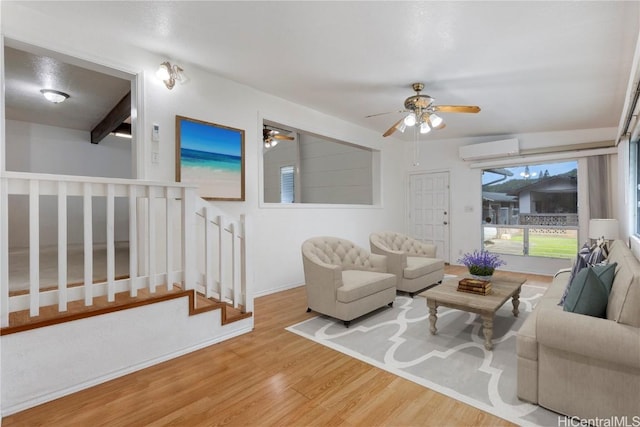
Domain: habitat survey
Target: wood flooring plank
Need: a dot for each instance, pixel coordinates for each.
(269, 377)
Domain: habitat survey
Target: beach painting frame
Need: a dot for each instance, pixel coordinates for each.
(211, 156)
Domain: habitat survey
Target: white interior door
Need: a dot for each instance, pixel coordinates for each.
(429, 210)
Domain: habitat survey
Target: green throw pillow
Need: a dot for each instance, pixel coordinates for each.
(589, 290)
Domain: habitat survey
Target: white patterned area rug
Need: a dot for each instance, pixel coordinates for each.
(454, 362)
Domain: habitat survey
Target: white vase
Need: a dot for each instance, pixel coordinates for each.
(487, 278)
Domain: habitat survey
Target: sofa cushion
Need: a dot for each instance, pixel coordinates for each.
(357, 284)
(420, 266)
(587, 255)
(624, 300)
(589, 291)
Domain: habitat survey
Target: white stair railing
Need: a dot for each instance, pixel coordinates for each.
(222, 270)
(162, 217)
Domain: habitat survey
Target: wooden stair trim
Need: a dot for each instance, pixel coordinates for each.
(98, 312)
(226, 320)
(226, 307)
(190, 294)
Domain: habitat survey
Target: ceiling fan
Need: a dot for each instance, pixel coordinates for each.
(422, 112)
(271, 135)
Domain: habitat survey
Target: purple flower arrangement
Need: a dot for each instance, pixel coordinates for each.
(481, 263)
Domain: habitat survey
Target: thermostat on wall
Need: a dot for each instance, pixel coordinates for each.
(155, 133)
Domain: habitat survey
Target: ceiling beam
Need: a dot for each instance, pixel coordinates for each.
(112, 120)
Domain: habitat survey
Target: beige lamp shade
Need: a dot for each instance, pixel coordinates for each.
(603, 228)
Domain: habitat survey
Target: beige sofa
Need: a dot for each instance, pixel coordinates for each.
(414, 263)
(343, 280)
(580, 365)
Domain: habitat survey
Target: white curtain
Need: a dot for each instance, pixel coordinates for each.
(599, 184)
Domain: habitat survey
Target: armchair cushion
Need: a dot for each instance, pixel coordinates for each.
(359, 284)
(419, 266)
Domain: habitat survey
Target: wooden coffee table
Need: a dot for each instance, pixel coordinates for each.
(486, 306)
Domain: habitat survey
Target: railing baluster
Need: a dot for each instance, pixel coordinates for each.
(221, 268)
(208, 252)
(151, 238)
(34, 248)
(133, 240)
(243, 261)
(88, 244)
(4, 252)
(62, 246)
(189, 237)
(111, 250)
(169, 240)
(234, 265)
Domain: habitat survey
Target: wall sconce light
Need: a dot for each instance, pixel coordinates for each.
(169, 74)
(54, 96)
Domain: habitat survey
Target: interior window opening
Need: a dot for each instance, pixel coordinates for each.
(303, 167)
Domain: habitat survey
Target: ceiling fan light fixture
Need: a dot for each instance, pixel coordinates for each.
(401, 126)
(435, 120)
(410, 120)
(527, 174)
(54, 96)
(421, 110)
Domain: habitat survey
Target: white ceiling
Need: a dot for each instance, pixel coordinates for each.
(530, 66)
(92, 95)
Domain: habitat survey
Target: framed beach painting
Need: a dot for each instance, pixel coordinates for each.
(211, 156)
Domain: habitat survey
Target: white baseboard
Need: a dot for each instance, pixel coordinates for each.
(279, 289)
(47, 397)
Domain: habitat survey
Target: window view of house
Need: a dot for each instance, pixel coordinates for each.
(531, 210)
(286, 185)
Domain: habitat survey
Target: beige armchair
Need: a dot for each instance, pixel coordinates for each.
(343, 280)
(414, 263)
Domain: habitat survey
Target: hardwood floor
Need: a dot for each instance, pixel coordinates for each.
(267, 377)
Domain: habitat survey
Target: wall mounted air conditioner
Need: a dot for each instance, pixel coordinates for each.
(490, 150)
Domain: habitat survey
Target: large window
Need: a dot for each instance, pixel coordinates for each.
(635, 183)
(531, 210)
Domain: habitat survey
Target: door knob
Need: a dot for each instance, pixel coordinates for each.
(445, 223)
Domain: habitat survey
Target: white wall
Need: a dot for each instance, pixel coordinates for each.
(39, 148)
(31, 147)
(333, 172)
(466, 192)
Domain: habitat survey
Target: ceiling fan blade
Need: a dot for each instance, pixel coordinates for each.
(457, 108)
(382, 114)
(284, 137)
(393, 128)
